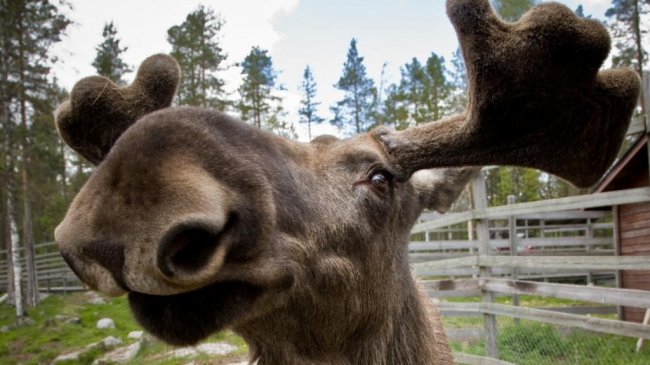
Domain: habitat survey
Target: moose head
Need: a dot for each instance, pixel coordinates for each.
(207, 223)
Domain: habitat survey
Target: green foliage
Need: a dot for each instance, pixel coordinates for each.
(108, 61)
(421, 95)
(309, 106)
(49, 195)
(28, 31)
(512, 10)
(525, 184)
(458, 80)
(259, 102)
(196, 46)
(354, 113)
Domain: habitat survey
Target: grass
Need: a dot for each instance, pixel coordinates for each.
(533, 343)
(43, 341)
(526, 343)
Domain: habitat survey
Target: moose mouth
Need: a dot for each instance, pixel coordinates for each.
(187, 318)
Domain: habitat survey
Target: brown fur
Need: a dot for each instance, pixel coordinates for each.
(208, 223)
(536, 98)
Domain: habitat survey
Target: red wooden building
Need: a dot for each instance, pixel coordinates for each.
(632, 220)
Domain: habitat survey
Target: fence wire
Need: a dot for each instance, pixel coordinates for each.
(525, 342)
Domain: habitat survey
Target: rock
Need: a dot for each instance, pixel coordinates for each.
(71, 356)
(119, 355)
(183, 352)
(94, 298)
(211, 348)
(105, 323)
(216, 348)
(5, 329)
(97, 301)
(135, 335)
(73, 320)
(111, 341)
(67, 319)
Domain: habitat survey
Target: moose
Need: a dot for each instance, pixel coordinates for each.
(207, 223)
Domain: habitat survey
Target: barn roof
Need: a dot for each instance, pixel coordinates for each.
(631, 170)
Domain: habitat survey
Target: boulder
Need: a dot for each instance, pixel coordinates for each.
(105, 323)
(135, 335)
(71, 356)
(111, 341)
(120, 355)
(210, 348)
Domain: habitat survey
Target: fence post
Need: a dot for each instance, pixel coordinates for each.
(484, 249)
(514, 247)
(588, 248)
(617, 252)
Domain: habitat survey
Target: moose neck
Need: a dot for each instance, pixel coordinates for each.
(389, 324)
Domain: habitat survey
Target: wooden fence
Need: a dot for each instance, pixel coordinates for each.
(517, 250)
(52, 273)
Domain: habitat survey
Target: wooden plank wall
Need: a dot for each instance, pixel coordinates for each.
(634, 220)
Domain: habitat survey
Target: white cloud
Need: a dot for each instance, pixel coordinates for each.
(143, 29)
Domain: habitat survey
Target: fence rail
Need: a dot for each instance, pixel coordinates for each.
(516, 250)
(52, 273)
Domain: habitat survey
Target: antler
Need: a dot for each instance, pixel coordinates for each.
(99, 111)
(535, 98)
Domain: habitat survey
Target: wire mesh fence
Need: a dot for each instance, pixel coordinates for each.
(525, 342)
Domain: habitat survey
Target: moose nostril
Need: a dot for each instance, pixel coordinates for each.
(187, 250)
(110, 255)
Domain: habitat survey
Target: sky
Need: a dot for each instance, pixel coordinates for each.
(296, 33)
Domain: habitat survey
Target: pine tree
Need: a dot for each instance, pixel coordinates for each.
(512, 10)
(196, 46)
(437, 89)
(395, 108)
(47, 165)
(355, 108)
(309, 106)
(414, 85)
(29, 29)
(627, 32)
(580, 11)
(108, 61)
(8, 88)
(458, 81)
(259, 104)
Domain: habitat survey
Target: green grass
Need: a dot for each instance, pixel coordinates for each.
(526, 343)
(530, 301)
(533, 343)
(43, 341)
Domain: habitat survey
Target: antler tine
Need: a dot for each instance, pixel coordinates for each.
(99, 111)
(536, 98)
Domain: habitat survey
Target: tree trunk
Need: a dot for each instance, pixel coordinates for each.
(309, 128)
(6, 240)
(63, 172)
(15, 257)
(28, 242)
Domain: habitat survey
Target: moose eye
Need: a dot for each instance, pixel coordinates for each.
(380, 181)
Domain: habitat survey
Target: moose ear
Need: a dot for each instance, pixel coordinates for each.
(99, 111)
(536, 98)
(437, 189)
